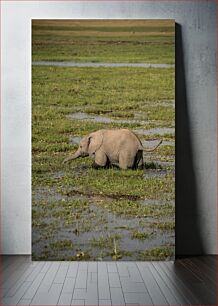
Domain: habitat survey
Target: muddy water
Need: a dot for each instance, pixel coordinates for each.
(160, 131)
(103, 224)
(94, 65)
(153, 143)
(101, 119)
(58, 174)
(75, 140)
(164, 163)
(51, 194)
(167, 103)
(155, 173)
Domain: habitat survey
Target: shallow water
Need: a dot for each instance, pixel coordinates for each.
(45, 193)
(101, 119)
(157, 239)
(103, 223)
(153, 143)
(155, 202)
(160, 131)
(154, 173)
(90, 64)
(50, 194)
(164, 163)
(58, 174)
(75, 140)
(167, 103)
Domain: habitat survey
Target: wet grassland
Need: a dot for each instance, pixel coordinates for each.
(79, 213)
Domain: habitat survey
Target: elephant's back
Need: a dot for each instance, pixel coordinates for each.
(129, 136)
(123, 137)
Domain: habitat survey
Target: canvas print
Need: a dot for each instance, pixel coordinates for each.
(103, 140)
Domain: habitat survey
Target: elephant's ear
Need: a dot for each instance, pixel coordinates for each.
(95, 142)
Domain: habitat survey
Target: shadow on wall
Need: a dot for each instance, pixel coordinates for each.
(188, 234)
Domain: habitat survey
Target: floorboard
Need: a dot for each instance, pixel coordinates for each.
(187, 281)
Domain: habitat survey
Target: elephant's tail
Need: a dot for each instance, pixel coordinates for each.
(152, 149)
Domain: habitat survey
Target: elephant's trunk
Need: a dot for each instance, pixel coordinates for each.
(74, 156)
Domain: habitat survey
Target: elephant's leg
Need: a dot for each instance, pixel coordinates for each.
(139, 160)
(100, 160)
(126, 160)
(141, 165)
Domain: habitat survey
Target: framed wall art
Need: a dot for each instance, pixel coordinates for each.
(103, 140)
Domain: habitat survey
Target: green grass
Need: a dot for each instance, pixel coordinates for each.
(104, 242)
(112, 182)
(103, 90)
(166, 136)
(133, 209)
(139, 235)
(51, 128)
(167, 150)
(61, 245)
(159, 253)
(58, 92)
(110, 245)
(165, 226)
(95, 41)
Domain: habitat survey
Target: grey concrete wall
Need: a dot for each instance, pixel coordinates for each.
(196, 146)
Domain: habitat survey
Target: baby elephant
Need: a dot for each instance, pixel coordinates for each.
(118, 147)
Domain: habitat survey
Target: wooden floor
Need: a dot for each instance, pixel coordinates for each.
(188, 281)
